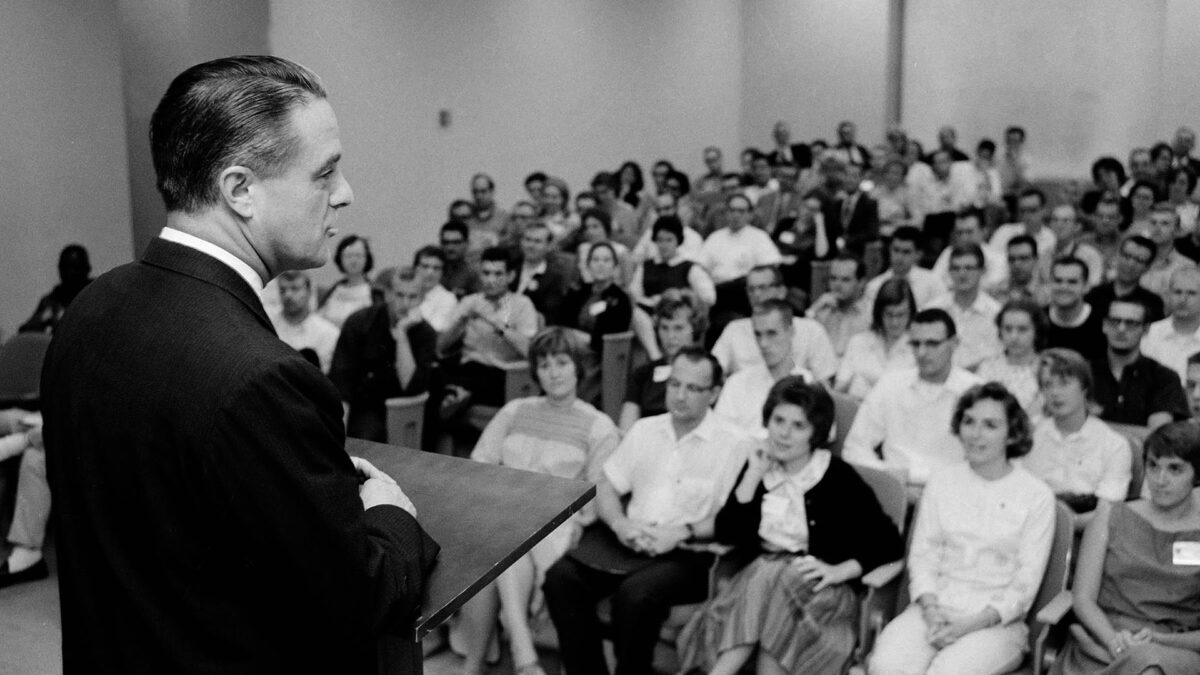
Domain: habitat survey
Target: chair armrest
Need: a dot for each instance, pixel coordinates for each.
(1056, 609)
(883, 575)
(407, 401)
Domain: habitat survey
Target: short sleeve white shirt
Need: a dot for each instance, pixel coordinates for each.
(1094, 460)
(811, 347)
(729, 255)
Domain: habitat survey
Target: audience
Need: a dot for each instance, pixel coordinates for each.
(556, 434)
(814, 527)
(460, 272)
(1023, 280)
(676, 470)
(973, 311)
(384, 351)
(597, 309)
(904, 252)
(1068, 231)
(74, 273)
(1132, 260)
(556, 210)
(353, 291)
(1163, 230)
(667, 269)
(811, 348)
(979, 548)
(688, 243)
(968, 230)
(1022, 328)
(730, 252)
(1080, 457)
(1073, 323)
(488, 220)
(884, 346)
(622, 218)
(858, 213)
(297, 325)
(544, 276)
(1173, 339)
(678, 323)
(1136, 592)
(1131, 388)
(907, 413)
(1031, 206)
(843, 310)
(437, 303)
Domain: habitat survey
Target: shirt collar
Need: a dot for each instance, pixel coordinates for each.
(207, 247)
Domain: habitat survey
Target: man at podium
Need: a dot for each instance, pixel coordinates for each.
(209, 518)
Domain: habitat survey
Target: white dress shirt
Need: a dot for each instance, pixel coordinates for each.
(744, 394)
(978, 337)
(911, 418)
(729, 255)
(867, 358)
(925, 284)
(811, 347)
(438, 306)
(315, 332)
(1163, 343)
(237, 264)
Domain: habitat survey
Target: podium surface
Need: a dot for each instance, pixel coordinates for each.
(483, 516)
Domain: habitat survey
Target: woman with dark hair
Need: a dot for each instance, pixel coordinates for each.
(556, 434)
(596, 227)
(1022, 326)
(600, 307)
(884, 347)
(979, 549)
(633, 186)
(814, 526)
(668, 270)
(1142, 198)
(353, 291)
(556, 210)
(1137, 585)
(1108, 175)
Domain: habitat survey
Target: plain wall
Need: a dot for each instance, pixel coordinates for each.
(566, 88)
(813, 64)
(1084, 77)
(64, 172)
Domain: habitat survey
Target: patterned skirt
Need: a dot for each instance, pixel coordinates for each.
(768, 604)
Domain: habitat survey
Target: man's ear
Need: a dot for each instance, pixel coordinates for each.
(235, 185)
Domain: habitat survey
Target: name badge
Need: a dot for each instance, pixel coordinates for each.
(788, 237)
(1185, 553)
(661, 373)
(597, 307)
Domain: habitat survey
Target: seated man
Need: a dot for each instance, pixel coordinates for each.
(843, 310)
(384, 351)
(1172, 340)
(677, 470)
(32, 511)
(460, 272)
(1080, 457)
(1023, 281)
(904, 252)
(973, 311)
(678, 323)
(968, 229)
(1068, 231)
(544, 276)
(1164, 229)
(494, 327)
(437, 303)
(745, 391)
(729, 253)
(1073, 323)
(908, 411)
(1132, 260)
(1031, 206)
(811, 348)
(298, 326)
(1130, 388)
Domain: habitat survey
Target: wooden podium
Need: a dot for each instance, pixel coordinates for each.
(483, 516)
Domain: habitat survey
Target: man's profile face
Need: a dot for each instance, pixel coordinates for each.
(493, 278)
(429, 271)
(690, 390)
(843, 282)
(1068, 286)
(774, 337)
(903, 255)
(294, 296)
(1021, 262)
(932, 348)
(761, 286)
(535, 242)
(403, 297)
(295, 211)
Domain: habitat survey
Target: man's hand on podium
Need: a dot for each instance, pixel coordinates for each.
(378, 488)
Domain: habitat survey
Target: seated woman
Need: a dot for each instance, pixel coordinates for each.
(353, 291)
(1079, 456)
(872, 353)
(597, 227)
(678, 323)
(667, 270)
(556, 434)
(1022, 327)
(815, 526)
(1137, 585)
(979, 549)
(556, 211)
(597, 308)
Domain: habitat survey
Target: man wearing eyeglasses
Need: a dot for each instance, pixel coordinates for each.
(907, 414)
(974, 312)
(1132, 388)
(1031, 206)
(676, 469)
(1132, 261)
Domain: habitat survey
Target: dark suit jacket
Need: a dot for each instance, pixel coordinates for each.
(801, 156)
(208, 515)
(861, 227)
(552, 285)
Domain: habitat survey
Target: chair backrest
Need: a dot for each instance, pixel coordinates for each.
(614, 371)
(21, 367)
(406, 420)
(890, 490)
(1058, 566)
(1136, 436)
(820, 279)
(845, 407)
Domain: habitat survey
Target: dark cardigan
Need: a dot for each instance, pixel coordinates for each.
(845, 521)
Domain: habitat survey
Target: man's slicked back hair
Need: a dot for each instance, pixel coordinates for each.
(228, 112)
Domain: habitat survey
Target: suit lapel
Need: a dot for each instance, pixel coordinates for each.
(190, 262)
